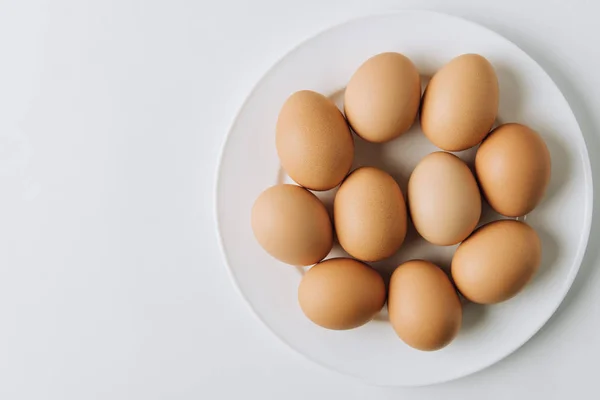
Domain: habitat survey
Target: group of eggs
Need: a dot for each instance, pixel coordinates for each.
(382, 100)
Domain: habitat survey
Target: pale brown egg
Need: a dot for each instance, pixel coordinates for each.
(370, 214)
(443, 199)
(497, 261)
(460, 103)
(424, 308)
(292, 225)
(382, 98)
(313, 141)
(341, 293)
(513, 168)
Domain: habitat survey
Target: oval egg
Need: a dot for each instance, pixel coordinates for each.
(370, 214)
(341, 293)
(313, 141)
(443, 199)
(382, 98)
(460, 103)
(292, 225)
(497, 261)
(423, 306)
(513, 168)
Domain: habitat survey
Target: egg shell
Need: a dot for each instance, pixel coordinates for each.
(341, 293)
(313, 141)
(370, 214)
(497, 261)
(381, 101)
(513, 168)
(292, 225)
(423, 306)
(443, 198)
(460, 103)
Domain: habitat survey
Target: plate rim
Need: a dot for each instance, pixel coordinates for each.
(588, 212)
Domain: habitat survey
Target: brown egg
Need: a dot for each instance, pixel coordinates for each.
(292, 225)
(513, 168)
(443, 198)
(341, 293)
(313, 141)
(370, 214)
(424, 308)
(382, 98)
(460, 103)
(497, 261)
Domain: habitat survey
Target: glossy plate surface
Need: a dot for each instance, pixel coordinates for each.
(325, 63)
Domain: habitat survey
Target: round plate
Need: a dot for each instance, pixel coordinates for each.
(325, 63)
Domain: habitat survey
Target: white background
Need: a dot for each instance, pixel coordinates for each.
(112, 117)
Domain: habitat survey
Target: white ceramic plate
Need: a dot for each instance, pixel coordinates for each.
(325, 63)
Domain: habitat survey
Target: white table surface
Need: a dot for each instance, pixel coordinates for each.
(112, 116)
